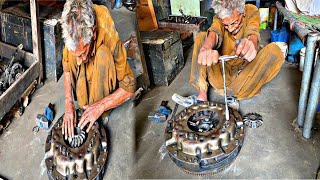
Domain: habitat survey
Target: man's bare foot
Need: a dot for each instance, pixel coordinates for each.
(202, 96)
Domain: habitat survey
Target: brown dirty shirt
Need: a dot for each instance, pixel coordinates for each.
(107, 68)
(227, 41)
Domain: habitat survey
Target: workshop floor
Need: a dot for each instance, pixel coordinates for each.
(275, 150)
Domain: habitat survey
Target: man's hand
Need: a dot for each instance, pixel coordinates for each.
(208, 57)
(69, 121)
(91, 114)
(246, 49)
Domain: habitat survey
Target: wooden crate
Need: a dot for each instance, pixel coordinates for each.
(15, 25)
(15, 91)
(164, 56)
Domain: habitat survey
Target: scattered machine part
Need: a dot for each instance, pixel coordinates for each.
(84, 157)
(11, 72)
(186, 19)
(35, 129)
(42, 121)
(201, 141)
(130, 4)
(175, 110)
(157, 117)
(161, 114)
(253, 120)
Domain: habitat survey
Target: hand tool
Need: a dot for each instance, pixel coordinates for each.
(227, 58)
(174, 111)
(223, 59)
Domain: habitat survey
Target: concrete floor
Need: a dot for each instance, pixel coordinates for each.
(275, 150)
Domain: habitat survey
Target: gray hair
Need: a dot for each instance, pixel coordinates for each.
(77, 21)
(224, 8)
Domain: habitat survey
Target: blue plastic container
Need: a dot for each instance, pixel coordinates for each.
(275, 35)
(295, 46)
(118, 4)
(280, 35)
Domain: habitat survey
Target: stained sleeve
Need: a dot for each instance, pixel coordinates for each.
(217, 27)
(65, 60)
(253, 22)
(112, 40)
(125, 75)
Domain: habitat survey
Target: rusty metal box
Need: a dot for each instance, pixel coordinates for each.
(15, 25)
(164, 55)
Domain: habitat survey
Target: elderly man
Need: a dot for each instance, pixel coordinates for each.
(94, 64)
(244, 75)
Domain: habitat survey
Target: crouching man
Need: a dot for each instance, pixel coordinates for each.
(94, 62)
(234, 22)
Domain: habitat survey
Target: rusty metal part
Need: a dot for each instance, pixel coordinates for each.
(83, 157)
(253, 120)
(10, 72)
(201, 141)
(129, 4)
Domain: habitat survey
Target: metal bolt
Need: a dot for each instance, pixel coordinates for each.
(175, 153)
(236, 142)
(50, 169)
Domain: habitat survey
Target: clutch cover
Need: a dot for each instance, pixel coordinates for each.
(201, 141)
(82, 157)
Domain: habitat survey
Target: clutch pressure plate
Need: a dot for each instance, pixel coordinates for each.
(82, 157)
(201, 141)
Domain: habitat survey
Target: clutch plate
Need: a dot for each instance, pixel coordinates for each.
(201, 141)
(83, 157)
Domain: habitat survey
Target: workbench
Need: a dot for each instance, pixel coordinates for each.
(310, 84)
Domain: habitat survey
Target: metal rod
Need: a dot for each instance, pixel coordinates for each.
(275, 23)
(312, 103)
(306, 77)
(298, 26)
(227, 58)
(225, 90)
(174, 111)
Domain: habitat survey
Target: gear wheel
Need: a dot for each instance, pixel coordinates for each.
(253, 120)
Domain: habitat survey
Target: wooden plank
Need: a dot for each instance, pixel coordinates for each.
(36, 43)
(146, 17)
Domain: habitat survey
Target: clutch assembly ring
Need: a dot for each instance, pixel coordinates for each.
(83, 157)
(201, 141)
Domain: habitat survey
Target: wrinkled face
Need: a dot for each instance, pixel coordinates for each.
(82, 52)
(233, 23)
